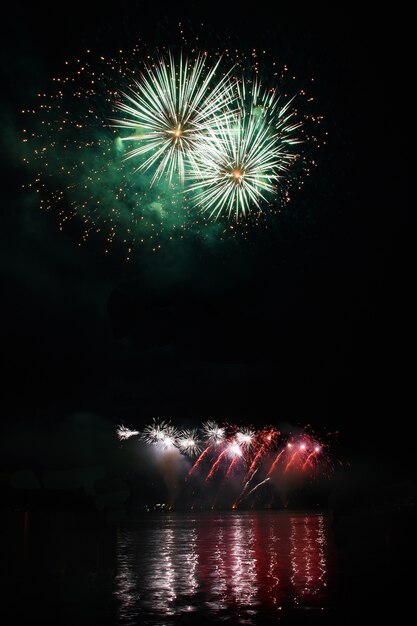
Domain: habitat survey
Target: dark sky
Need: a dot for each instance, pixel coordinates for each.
(308, 322)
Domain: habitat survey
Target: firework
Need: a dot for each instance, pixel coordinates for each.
(266, 440)
(216, 463)
(245, 437)
(214, 433)
(299, 454)
(161, 434)
(257, 486)
(293, 458)
(172, 107)
(276, 461)
(105, 144)
(199, 460)
(234, 450)
(245, 488)
(189, 443)
(125, 433)
(237, 455)
(234, 455)
(310, 456)
(240, 161)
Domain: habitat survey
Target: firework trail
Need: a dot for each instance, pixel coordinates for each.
(308, 461)
(254, 463)
(299, 453)
(233, 450)
(291, 461)
(124, 433)
(233, 462)
(267, 441)
(200, 458)
(230, 468)
(275, 463)
(257, 487)
(172, 107)
(216, 464)
(242, 493)
(214, 434)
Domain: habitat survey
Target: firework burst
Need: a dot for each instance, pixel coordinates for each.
(107, 143)
(232, 456)
(161, 434)
(245, 437)
(171, 108)
(241, 160)
(188, 443)
(124, 433)
(213, 433)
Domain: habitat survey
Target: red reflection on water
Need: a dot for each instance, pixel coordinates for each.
(291, 557)
(267, 559)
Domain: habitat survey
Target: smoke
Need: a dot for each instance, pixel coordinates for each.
(173, 467)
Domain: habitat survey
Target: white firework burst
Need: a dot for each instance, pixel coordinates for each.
(240, 161)
(161, 434)
(170, 108)
(125, 433)
(245, 437)
(189, 443)
(213, 432)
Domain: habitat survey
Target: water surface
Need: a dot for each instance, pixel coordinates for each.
(236, 567)
(218, 567)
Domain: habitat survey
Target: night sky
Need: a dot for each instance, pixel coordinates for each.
(307, 322)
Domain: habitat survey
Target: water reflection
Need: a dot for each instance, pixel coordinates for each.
(236, 567)
(157, 571)
(308, 565)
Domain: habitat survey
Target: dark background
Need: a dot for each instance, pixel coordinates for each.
(307, 322)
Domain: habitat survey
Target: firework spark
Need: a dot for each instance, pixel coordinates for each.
(240, 161)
